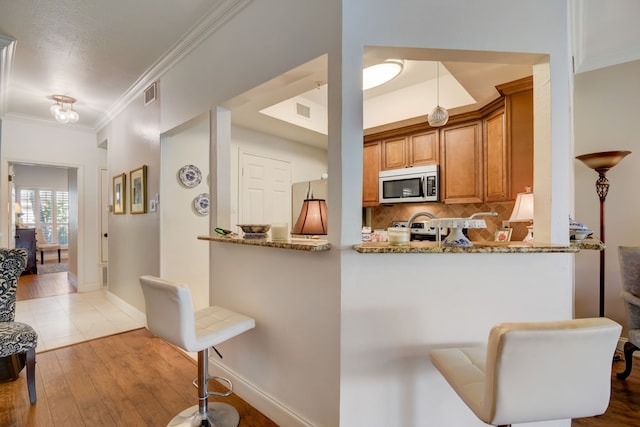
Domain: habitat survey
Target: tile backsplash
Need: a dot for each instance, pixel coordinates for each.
(383, 216)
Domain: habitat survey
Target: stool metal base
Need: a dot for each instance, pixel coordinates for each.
(219, 415)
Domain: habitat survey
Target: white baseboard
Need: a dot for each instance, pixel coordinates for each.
(257, 398)
(136, 314)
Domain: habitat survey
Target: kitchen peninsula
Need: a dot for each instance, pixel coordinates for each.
(478, 247)
(309, 245)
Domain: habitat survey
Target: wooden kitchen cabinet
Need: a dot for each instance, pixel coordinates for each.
(496, 158)
(371, 155)
(417, 149)
(461, 163)
(26, 238)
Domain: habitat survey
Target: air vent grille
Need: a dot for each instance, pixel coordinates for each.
(150, 93)
(303, 110)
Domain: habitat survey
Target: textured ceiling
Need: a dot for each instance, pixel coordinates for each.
(101, 51)
(92, 50)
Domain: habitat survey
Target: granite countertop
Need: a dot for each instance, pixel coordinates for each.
(478, 247)
(309, 245)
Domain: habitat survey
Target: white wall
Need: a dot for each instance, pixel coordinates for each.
(343, 338)
(134, 240)
(606, 111)
(183, 258)
(31, 176)
(51, 144)
(307, 163)
(392, 312)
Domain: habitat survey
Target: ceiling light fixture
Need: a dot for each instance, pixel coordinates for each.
(439, 116)
(63, 110)
(379, 74)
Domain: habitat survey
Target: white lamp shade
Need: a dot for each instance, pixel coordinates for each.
(523, 209)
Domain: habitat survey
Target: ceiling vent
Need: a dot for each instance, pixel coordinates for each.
(303, 110)
(150, 94)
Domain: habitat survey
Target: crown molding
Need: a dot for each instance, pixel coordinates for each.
(198, 33)
(583, 58)
(7, 48)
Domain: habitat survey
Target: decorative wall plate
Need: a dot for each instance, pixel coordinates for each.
(190, 176)
(201, 203)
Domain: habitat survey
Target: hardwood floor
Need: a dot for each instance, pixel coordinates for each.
(131, 379)
(624, 408)
(31, 286)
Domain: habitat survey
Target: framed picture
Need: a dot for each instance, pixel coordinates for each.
(138, 193)
(119, 194)
(503, 235)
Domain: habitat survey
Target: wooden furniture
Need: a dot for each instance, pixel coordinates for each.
(416, 149)
(16, 338)
(484, 156)
(26, 238)
(629, 258)
(42, 246)
(461, 163)
(371, 155)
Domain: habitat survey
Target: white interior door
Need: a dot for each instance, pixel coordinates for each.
(104, 215)
(265, 190)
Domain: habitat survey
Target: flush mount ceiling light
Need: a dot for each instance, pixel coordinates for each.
(379, 74)
(439, 116)
(63, 110)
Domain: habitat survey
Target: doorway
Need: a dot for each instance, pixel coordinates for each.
(45, 205)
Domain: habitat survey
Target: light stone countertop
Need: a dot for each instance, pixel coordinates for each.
(309, 245)
(312, 245)
(478, 247)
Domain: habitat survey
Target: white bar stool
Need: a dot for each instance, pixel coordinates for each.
(170, 316)
(535, 371)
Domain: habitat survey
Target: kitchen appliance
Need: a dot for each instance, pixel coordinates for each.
(422, 231)
(417, 184)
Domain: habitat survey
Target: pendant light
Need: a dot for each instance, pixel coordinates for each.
(439, 116)
(63, 110)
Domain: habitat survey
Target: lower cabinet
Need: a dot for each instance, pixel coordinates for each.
(26, 238)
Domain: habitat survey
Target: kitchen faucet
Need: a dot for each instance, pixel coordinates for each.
(419, 214)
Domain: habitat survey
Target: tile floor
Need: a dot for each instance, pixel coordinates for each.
(68, 319)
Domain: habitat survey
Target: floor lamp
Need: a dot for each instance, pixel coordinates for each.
(601, 162)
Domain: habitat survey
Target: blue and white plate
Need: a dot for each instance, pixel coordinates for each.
(201, 204)
(190, 176)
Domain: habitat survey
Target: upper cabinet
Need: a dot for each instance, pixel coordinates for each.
(518, 108)
(406, 151)
(371, 155)
(461, 163)
(484, 156)
(496, 158)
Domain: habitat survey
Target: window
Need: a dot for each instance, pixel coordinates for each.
(48, 210)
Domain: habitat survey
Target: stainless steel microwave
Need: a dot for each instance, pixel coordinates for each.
(417, 184)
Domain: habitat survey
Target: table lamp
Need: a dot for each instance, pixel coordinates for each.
(313, 217)
(523, 212)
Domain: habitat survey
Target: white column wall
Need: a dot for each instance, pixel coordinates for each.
(183, 258)
(341, 337)
(395, 308)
